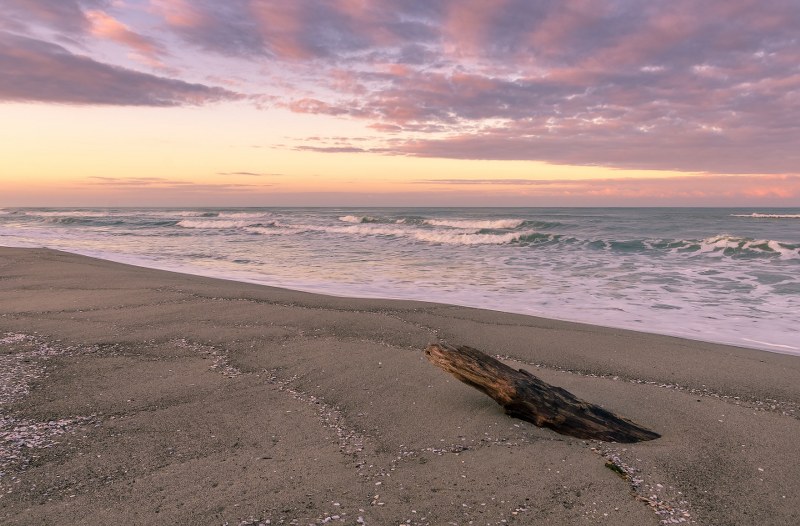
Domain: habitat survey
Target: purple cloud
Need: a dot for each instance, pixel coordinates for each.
(679, 85)
(299, 30)
(67, 16)
(34, 70)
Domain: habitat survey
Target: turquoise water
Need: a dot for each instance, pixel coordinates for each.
(721, 275)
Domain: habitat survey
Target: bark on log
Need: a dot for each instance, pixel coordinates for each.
(524, 396)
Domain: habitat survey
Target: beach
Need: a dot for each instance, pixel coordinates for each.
(143, 396)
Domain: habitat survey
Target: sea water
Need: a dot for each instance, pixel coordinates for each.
(713, 274)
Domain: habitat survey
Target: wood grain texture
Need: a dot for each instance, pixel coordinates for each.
(528, 398)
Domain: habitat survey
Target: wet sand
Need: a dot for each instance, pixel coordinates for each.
(137, 396)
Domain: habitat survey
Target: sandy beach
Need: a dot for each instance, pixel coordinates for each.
(138, 396)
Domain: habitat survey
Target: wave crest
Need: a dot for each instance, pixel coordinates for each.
(733, 246)
(185, 213)
(466, 238)
(218, 224)
(757, 215)
(245, 215)
(476, 225)
(70, 213)
(365, 219)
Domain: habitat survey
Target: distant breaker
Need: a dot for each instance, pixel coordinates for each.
(768, 216)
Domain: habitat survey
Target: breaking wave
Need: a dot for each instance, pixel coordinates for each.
(492, 233)
(264, 230)
(371, 219)
(361, 229)
(359, 219)
(70, 213)
(471, 238)
(218, 224)
(732, 246)
(186, 213)
(757, 215)
(245, 215)
(715, 246)
(478, 225)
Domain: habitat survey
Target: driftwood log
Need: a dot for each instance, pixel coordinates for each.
(524, 396)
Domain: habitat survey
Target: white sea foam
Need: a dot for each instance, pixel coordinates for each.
(245, 215)
(375, 230)
(717, 246)
(476, 225)
(775, 345)
(768, 216)
(784, 251)
(431, 236)
(355, 219)
(214, 223)
(66, 213)
(267, 231)
(179, 213)
(359, 229)
(465, 238)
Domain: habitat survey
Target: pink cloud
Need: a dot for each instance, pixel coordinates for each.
(283, 28)
(105, 26)
(387, 128)
(564, 23)
(64, 15)
(315, 106)
(468, 25)
(180, 13)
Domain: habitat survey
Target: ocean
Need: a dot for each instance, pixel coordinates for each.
(726, 275)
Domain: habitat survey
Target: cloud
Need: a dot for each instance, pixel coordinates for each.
(706, 188)
(34, 70)
(146, 50)
(299, 30)
(308, 105)
(709, 86)
(689, 149)
(67, 16)
(227, 28)
(679, 85)
(331, 149)
(126, 180)
(169, 184)
(250, 174)
(386, 128)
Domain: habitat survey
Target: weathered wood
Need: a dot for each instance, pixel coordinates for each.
(524, 396)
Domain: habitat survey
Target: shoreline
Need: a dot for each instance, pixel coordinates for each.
(181, 398)
(188, 270)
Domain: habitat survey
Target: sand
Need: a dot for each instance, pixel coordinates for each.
(137, 396)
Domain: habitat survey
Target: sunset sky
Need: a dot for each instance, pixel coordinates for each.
(382, 102)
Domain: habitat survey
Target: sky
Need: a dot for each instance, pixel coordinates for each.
(400, 103)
